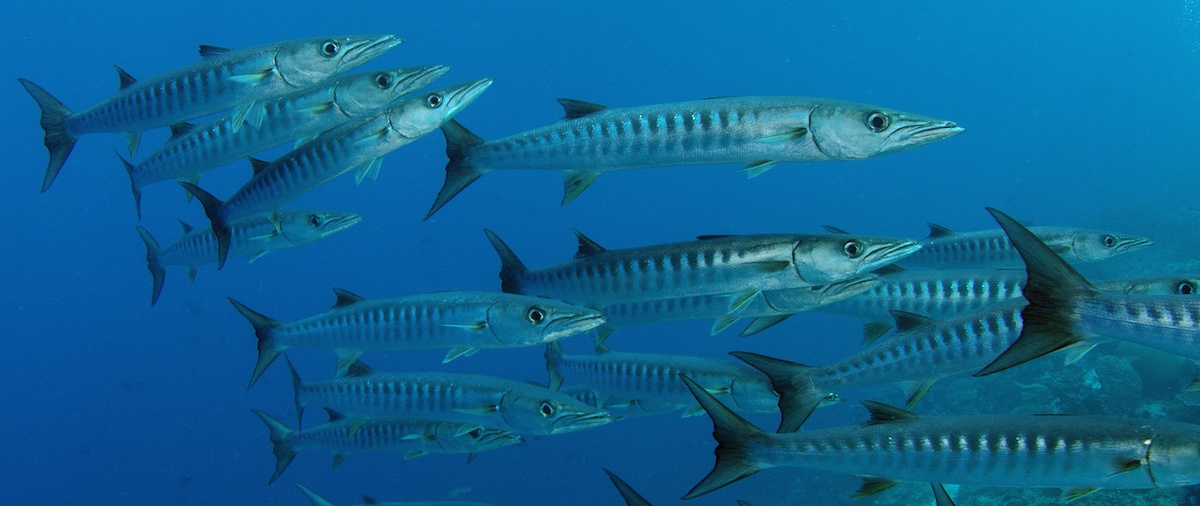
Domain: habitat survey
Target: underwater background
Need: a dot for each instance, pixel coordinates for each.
(1078, 113)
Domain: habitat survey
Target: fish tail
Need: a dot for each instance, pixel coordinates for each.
(315, 499)
(798, 397)
(554, 354)
(297, 384)
(510, 265)
(137, 191)
(268, 351)
(733, 434)
(57, 140)
(460, 172)
(157, 274)
(1052, 288)
(212, 209)
(281, 437)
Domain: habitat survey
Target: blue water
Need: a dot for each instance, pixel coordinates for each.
(1077, 113)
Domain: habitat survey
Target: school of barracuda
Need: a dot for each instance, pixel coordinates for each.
(955, 303)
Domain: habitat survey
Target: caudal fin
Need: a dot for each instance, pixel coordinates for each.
(267, 350)
(733, 433)
(297, 384)
(157, 274)
(137, 192)
(510, 265)
(57, 141)
(281, 438)
(1051, 287)
(459, 171)
(798, 397)
(212, 209)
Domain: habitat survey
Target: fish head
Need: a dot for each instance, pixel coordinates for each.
(307, 61)
(522, 320)
(360, 94)
(301, 227)
(1163, 285)
(830, 258)
(469, 438)
(850, 131)
(540, 411)
(1092, 245)
(425, 112)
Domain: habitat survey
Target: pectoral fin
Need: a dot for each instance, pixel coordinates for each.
(724, 322)
(1074, 494)
(414, 454)
(794, 135)
(369, 170)
(477, 326)
(763, 323)
(1126, 466)
(755, 169)
(481, 411)
(253, 78)
(739, 301)
(459, 352)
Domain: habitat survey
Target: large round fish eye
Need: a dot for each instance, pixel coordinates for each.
(1109, 240)
(314, 220)
(546, 409)
(329, 48)
(853, 249)
(535, 315)
(878, 121)
(383, 80)
(1185, 288)
(433, 101)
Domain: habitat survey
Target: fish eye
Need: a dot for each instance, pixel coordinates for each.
(314, 220)
(475, 433)
(878, 121)
(433, 101)
(1109, 240)
(383, 81)
(1185, 288)
(330, 48)
(546, 409)
(535, 315)
(853, 249)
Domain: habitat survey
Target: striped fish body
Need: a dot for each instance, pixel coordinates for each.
(1164, 322)
(408, 435)
(303, 113)
(654, 378)
(930, 293)
(945, 249)
(462, 398)
(621, 407)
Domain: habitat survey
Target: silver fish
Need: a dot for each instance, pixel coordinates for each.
(760, 131)
(1077, 452)
(415, 437)
(991, 249)
(317, 500)
(196, 149)
(465, 398)
(465, 322)
(358, 144)
(742, 266)
(254, 236)
(224, 79)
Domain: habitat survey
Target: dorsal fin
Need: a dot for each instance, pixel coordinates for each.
(345, 298)
(207, 51)
(334, 415)
(906, 321)
(180, 129)
(578, 108)
(257, 165)
(712, 236)
(358, 369)
(882, 413)
(369, 500)
(126, 79)
(587, 247)
(937, 231)
(186, 228)
(834, 230)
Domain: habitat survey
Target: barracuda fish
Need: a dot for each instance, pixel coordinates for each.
(465, 322)
(1076, 452)
(224, 79)
(416, 437)
(254, 236)
(761, 131)
(358, 144)
(465, 398)
(991, 249)
(742, 266)
(655, 378)
(620, 407)
(196, 149)
(370, 501)
(1065, 309)
(772, 308)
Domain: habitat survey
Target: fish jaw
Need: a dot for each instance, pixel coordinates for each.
(919, 133)
(888, 255)
(569, 325)
(572, 422)
(338, 223)
(364, 51)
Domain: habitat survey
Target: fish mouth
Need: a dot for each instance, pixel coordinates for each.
(919, 134)
(887, 255)
(1130, 244)
(462, 95)
(339, 223)
(572, 325)
(420, 78)
(500, 439)
(370, 48)
(852, 286)
(579, 421)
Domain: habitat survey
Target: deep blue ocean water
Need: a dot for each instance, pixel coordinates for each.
(1077, 113)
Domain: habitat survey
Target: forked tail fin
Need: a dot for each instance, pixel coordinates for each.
(212, 209)
(267, 350)
(281, 438)
(510, 266)
(157, 274)
(460, 172)
(57, 141)
(798, 398)
(733, 433)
